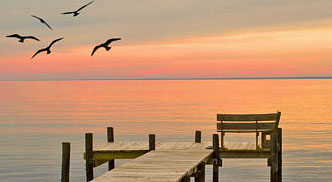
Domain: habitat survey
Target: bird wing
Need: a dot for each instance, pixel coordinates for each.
(36, 17)
(84, 6)
(95, 49)
(112, 40)
(47, 25)
(14, 35)
(39, 51)
(43, 21)
(67, 13)
(32, 37)
(54, 41)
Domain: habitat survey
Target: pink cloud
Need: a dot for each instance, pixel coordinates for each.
(283, 53)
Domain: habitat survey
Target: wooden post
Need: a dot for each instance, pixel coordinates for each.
(201, 173)
(110, 138)
(65, 162)
(186, 179)
(279, 155)
(263, 139)
(222, 134)
(89, 156)
(201, 167)
(257, 135)
(216, 157)
(274, 157)
(152, 142)
(198, 137)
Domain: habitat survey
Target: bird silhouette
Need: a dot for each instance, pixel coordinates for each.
(75, 13)
(48, 49)
(105, 45)
(22, 38)
(42, 21)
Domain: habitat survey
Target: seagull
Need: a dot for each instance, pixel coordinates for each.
(22, 38)
(42, 21)
(48, 49)
(75, 13)
(105, 45)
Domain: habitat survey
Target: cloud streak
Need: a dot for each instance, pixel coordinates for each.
(282, 53)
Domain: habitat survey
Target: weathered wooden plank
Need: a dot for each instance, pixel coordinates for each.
(121, 154)
(244, 154)
(245, 131)
(235, 146)
(245, 126)
(229, 145)
(247, 117)
(167, 146)
(165, 165)
(131, 146)
(120, 150)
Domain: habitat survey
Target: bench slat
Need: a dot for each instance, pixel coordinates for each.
(247, 117)
(245, 126)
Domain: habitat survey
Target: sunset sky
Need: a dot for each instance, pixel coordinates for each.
(168, 39)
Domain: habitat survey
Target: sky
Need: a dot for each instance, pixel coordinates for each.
(168, 39)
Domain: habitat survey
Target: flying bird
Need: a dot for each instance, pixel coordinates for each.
(48, 49)
(42, 21)
(105, 45)
(75, 13)
(22, 38)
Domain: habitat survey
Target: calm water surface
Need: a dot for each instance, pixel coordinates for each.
(35, 117)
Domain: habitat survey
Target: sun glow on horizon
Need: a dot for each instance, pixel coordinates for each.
(281, 53)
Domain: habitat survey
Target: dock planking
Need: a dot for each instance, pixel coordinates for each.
(131, 146)
(132, 150)
(158, 165)
(136, 146)
(170, 161)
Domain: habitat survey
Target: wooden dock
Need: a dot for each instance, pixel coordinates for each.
(179, 161)
(153, 161)
(159, 166)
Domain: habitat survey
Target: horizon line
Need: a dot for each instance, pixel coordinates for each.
(193, 78)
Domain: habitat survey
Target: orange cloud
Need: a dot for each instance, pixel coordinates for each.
(282, 53)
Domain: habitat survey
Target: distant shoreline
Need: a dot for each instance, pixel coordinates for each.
(138, 79)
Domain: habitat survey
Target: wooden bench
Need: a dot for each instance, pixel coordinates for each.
(261, 124)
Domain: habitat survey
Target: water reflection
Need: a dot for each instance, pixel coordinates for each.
(63, 111)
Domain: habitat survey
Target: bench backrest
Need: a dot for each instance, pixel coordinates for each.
(248, 122)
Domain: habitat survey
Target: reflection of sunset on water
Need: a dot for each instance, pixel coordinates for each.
(167, 107)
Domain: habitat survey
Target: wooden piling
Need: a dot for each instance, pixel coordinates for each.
(200, 177)
(65, 162)
(89, 156)
(110, 138)
(279, 155)
(201, 173)
(186, 179)
(263, 140)
(273, 157)
(198, 137)
(152, 142)
(216, 157)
